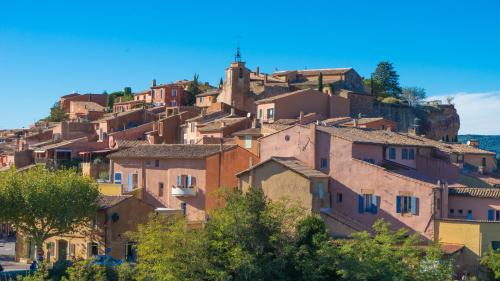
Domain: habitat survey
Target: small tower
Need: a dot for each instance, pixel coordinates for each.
(237, 84)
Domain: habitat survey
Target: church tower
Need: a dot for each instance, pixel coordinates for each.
(236, 88)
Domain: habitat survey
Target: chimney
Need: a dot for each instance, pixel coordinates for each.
(265, 78)
(257, 71)
(473, 143)
(154, 82)
(301, 117)
(232, 111)
(121, 99)
(254, 123)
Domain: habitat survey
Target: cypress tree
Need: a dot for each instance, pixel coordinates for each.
(320, 82)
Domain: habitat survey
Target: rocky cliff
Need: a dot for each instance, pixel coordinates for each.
(439, 122)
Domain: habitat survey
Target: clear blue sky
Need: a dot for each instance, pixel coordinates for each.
(50, 48)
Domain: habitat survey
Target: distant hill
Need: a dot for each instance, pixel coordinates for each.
(491, 143)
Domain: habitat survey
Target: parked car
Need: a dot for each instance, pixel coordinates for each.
(106, 261)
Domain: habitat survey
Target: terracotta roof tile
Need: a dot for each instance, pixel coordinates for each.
(108, 201)
(475, 192)
(284, 95)
(249, 132)
(170, 151)
(219, 124)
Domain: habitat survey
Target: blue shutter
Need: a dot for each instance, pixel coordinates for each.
(118, 178)
(179, 181)
(398, 204)
(189, 181)
(414, 205)
(374, 204)
(129, 182)
(491, 214)
(361, 205)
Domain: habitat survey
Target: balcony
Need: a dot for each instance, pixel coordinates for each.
(183, 191)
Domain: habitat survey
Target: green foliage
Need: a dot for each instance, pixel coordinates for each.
(57, 114)
(85, 271)
(168, 251)
(42, 204)
(391, 255)
(193, 89)
(221, 82)
(386, 81)
(320, 82)
(114, 97)
(413, 95)
(492, 262)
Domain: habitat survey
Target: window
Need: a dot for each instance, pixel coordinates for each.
(118, 177)
(260, 113)
(491, 214)
(174, 92)
(191, 126)
(319, 189)
(411, 155)
(161, 93)
(460, 211)
(270, 113)
(469, 215)
(392, 153)
(367, 203)
(406, 204)
(452, 211)
(148, 162)
(240, 73)
(160, 189)
(287, 138)
(157, 163)
(130, 252)
(498, 215)
(201, 99)
(495, 245)
(484, 162)
(94, 249)
(339, 197)
(184, 208)
(72, 250)
(404, 154)
(191, 141)
(324, 163)
(248, 141)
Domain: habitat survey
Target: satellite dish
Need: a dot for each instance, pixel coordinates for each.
(248, 115)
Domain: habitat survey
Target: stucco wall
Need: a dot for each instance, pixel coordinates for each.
(477, 160)
(478, 206)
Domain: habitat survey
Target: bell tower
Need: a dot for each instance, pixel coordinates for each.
(236, 88)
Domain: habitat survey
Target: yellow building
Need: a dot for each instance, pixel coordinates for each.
(476, 236)
(288, 178)
(106, 235)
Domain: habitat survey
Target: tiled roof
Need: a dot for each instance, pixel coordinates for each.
(362, 135)
(170, 151)
(364, 121)
(284, 95)
(60, 144)
(292, 164)
(108, 201)
(110, 116)
(453, 147)
(325, 71)
(476, 192)
(208, 117)
(209, 93)
(249, 132)
(122, 144)
(219, 124)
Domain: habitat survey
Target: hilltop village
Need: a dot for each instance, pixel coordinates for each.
(333, 149)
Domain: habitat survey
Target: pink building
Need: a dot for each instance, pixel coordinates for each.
(289, 105)
(168, 94)
(179, 176)
(373, 173)
(474, 204)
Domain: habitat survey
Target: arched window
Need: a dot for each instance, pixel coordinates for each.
(240, 73)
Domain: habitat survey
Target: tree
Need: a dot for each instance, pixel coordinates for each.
(320, 82)
(413, 95)
(386, 80)
(391, 255)
(42, 204)
(193, 89)
(492, 262)
(221, 82)
(57, 114)
(449, 100)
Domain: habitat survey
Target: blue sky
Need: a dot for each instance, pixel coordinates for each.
(50, 48)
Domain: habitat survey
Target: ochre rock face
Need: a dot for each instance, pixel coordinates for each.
(443, 124)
